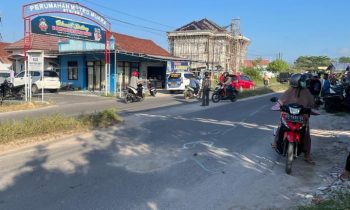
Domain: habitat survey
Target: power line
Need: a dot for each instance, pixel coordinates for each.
(127, 14)
(136, 25)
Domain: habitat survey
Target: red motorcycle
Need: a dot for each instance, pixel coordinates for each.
(292, 129)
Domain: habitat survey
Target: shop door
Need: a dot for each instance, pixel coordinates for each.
(95, 76)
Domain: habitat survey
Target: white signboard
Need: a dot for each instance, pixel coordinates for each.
(35, 61)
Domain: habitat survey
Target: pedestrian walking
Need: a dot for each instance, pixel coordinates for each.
(206, 84)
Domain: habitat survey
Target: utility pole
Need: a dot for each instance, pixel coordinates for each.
(236, 33)
(1, 25)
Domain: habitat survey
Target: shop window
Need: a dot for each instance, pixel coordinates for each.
(72, 70)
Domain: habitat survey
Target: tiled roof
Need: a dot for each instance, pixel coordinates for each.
(137, 45)
(3, 53)
(39, 42)
(201, 25)
(249, 63)
(123, 43)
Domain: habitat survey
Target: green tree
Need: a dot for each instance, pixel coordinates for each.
(311, 62)
(253, 73)
(278, 66)
(344, 59)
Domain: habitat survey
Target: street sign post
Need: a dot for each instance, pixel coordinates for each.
(35, 63)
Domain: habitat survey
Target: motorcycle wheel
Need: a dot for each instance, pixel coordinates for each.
(128, 98)
(215, 97)
(187, 95)
(233, 98)
(290, 157)
(328, 107)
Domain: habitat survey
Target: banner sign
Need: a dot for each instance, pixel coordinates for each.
(35, 61)
(55, 26)
(176, 66)
(64, 7)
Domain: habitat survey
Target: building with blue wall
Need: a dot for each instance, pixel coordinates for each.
(82, 63)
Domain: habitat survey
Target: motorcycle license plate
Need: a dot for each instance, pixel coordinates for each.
(295, 118)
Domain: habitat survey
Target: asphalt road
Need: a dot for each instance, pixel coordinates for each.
(76, 104)
(182, 157)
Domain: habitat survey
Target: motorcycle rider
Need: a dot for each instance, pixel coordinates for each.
(227, 84)
(299, 94)
(194, 83)
(134, 81)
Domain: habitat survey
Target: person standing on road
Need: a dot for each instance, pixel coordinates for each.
(345, 176)
(206, 84)
(266, 80)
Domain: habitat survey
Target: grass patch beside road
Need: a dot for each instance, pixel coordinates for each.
(263, 90)
(10, 107)
(55, 124)
(340, 201)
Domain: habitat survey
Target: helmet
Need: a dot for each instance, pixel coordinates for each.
(225, 74)
(206, 74)
(135, 74)
(297, 81)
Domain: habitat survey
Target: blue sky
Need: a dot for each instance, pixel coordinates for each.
(291, 27)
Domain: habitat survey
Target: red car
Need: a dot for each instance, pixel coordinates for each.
(241, 82)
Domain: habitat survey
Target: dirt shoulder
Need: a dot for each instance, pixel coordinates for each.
(330, 147)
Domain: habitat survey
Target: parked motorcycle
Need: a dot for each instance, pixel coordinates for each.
(152, 90)
(293, 126)
(220, 94)
(333, 102)
(191, 92)
(134, 95)
(7, 91)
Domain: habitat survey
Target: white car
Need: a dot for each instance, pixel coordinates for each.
(51, 81)
(177, 81)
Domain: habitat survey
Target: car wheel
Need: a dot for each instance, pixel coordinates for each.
(54, 91)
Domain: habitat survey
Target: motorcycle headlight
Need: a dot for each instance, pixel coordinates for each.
(294, 111)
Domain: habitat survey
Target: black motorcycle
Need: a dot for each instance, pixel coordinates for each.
(152, 90)
(333, 102)
(220, 94)
(134, 95)
(7, 91)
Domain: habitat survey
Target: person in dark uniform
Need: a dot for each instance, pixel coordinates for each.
(206, 84)
(345, 176)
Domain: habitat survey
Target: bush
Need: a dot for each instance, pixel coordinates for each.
(253, 73)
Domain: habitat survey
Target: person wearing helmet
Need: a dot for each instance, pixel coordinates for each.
(134, 79)
(299, 94)
(206, 84)
(227, 83)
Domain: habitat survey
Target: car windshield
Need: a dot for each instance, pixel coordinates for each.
(50, 74)
(188, 76)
